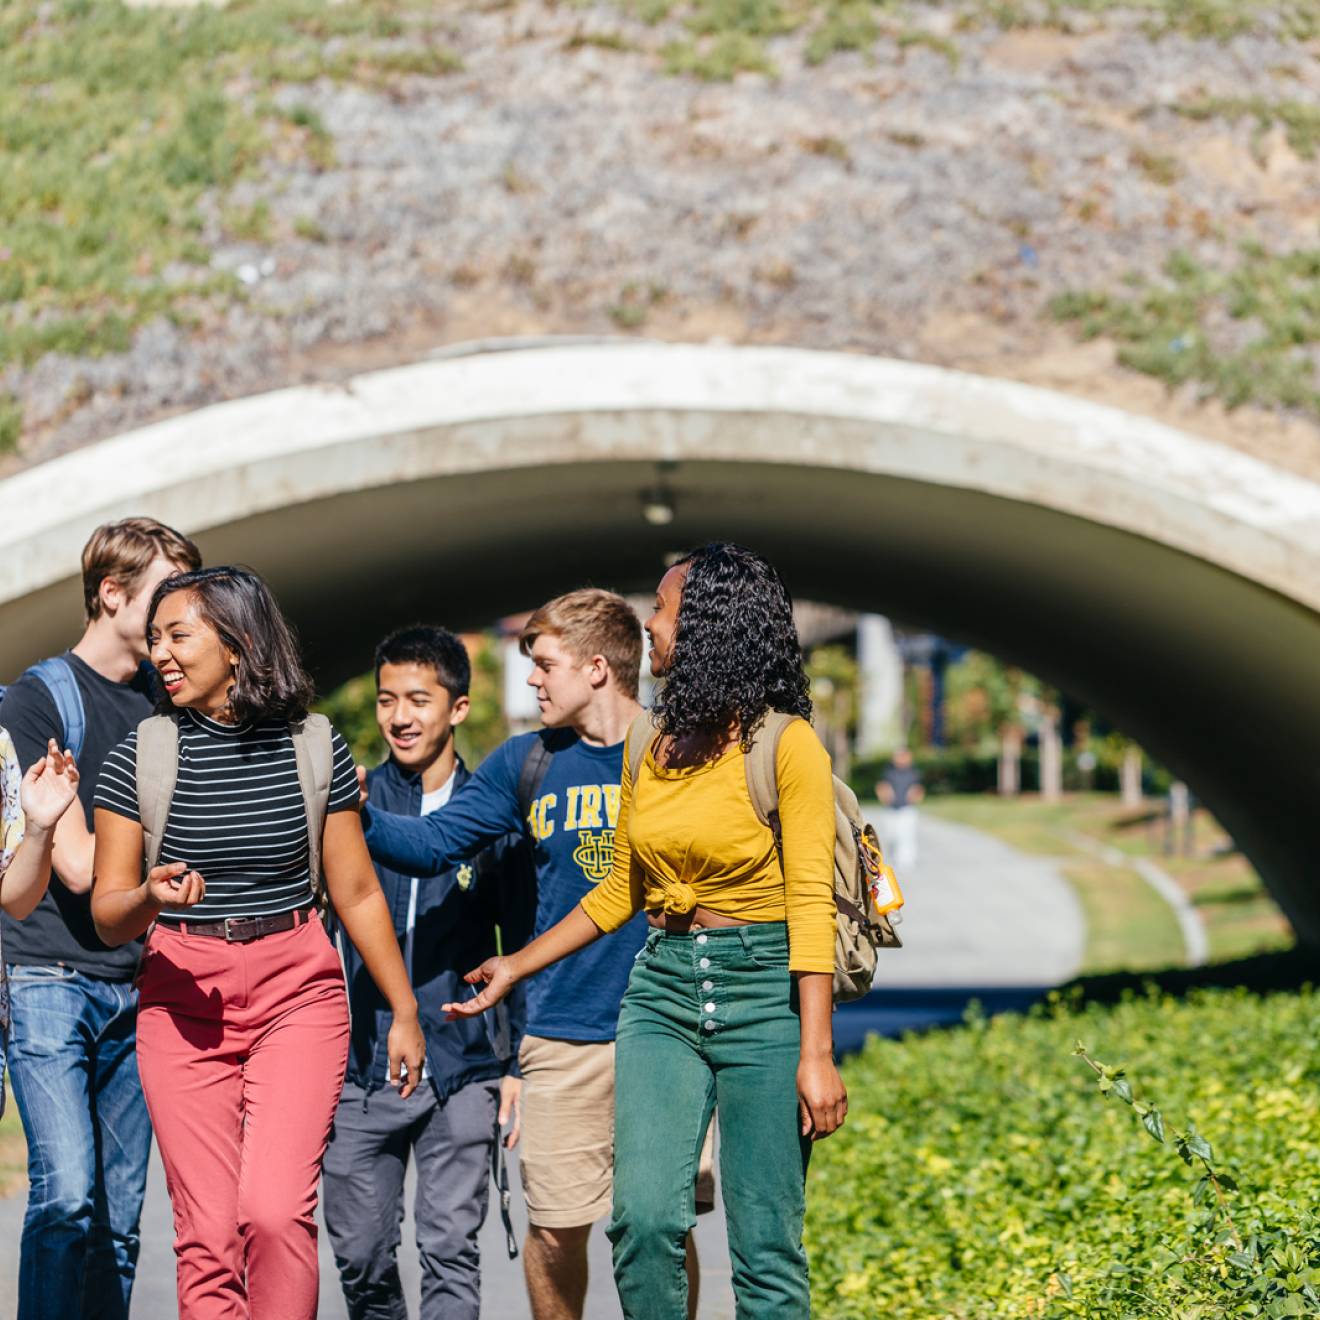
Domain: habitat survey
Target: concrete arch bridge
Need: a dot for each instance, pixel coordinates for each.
(1171, 582)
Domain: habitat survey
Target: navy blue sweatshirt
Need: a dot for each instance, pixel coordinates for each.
(571, 827)
(458, 907)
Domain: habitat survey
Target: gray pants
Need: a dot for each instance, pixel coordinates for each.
(363, 1196)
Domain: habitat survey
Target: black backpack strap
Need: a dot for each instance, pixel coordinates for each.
(532, 776)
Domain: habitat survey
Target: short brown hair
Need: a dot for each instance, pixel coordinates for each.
(592, 622)
(124, 551)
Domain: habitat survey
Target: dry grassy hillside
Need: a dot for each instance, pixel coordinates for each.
(1118, 200)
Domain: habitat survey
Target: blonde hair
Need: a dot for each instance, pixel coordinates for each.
(124, 551)
(592, 622)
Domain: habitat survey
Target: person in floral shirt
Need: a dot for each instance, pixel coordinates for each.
(30, 806)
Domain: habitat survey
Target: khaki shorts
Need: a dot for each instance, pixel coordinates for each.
(566, 1155)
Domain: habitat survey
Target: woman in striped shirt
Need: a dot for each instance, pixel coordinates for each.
(243, 1021)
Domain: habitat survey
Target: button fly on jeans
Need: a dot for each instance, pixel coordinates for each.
(708, 985)
(704, 963)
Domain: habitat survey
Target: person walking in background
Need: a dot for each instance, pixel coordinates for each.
(729, 1002)
(561, 786)
(30, 807)
(900, 791)
(444, 923)
(72, 1005)
(229, 803)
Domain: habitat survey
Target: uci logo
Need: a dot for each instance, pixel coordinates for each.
(595, 853)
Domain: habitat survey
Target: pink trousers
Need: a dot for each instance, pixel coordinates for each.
(242, 1050)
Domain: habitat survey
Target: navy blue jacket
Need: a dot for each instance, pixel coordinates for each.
(453, 932)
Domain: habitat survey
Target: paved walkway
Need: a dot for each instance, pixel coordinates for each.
(981, 916)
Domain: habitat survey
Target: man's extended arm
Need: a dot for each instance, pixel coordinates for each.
(427, 845)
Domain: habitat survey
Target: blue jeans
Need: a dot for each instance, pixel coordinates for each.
(73, 1067)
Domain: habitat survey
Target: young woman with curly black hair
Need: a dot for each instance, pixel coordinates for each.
(729, 1001)
(242, 1030)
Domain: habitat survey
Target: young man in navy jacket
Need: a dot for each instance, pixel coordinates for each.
(470, 1082)
(560, 786)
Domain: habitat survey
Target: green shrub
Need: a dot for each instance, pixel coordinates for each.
(979, 1176)
(976, 770)
(948, 770)
(720, 58)
(1168, 327)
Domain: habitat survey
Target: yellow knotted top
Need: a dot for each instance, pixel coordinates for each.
(689, 836)
(680, 898)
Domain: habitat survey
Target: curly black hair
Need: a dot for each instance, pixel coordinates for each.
(736, 654)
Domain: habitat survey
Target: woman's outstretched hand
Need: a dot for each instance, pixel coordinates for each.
(174, 887)
(822, 1099)
(500, 978)
(49, 788)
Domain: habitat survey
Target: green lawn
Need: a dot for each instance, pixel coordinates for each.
(1129, 927)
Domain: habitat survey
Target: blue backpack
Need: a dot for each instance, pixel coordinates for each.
(57, 675)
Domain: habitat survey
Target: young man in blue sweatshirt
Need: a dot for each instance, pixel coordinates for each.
(470, 1081)
(560, 786)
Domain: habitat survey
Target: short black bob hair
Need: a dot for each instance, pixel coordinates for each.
(426, 644)
(269, 679)
(736, 654)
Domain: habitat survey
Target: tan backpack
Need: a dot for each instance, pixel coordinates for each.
(158, 771)
(859, 865)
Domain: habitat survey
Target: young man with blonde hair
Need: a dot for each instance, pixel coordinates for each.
(72, 1005)
(561, 787)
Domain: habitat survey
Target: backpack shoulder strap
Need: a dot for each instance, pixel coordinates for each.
(532, 775)
(57, 674)
(638, 742)
(157, 771)
(315, 757)
(762, 771)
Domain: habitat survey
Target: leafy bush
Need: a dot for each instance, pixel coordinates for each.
(973, 770)
(979, 1174)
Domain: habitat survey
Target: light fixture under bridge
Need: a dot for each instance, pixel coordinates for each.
(658, 506)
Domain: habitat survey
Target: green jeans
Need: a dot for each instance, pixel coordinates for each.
(709, 1020)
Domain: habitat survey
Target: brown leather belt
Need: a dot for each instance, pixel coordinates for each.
(238, 930)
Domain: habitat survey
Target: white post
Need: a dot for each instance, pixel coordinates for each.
(1051, 757)
(1130, 777)
(1010, 761)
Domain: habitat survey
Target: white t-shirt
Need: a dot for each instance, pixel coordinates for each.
(434, 801)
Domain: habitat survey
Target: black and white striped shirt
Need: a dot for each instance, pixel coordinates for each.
(237, 816)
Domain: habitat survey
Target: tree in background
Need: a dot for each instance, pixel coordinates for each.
(834, 682)
(987, 705)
